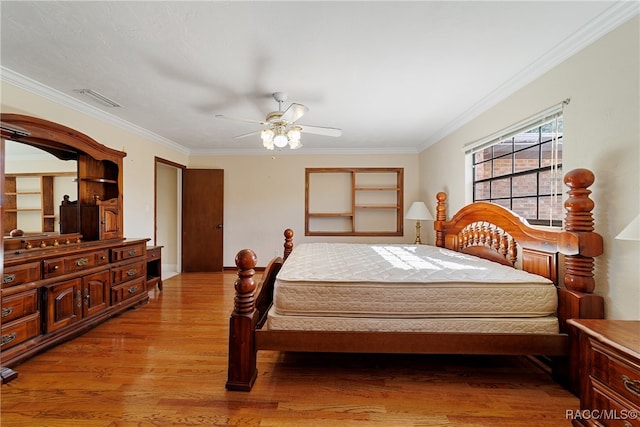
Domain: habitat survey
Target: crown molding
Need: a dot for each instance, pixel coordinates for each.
(37, 88)
(302, 152)
(613, 17)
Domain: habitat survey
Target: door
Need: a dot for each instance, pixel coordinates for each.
(202, 219)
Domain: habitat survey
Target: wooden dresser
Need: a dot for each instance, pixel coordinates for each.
(58, 284)
(609, 373)
(61, 287)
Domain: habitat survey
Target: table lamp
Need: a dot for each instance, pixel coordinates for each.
(419, 212)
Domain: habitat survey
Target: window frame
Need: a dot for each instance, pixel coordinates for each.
(553, 115)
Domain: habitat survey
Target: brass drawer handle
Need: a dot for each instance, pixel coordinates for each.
(82, 262)
(6, 311)
(103, 257)
(132, 252)
(627, 423)
(133, 290)
(132, 272)
(632, 385)
(6, 339)
(8, 278)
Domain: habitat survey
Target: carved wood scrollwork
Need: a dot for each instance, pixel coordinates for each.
(490, 236)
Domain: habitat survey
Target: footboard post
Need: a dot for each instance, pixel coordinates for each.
(242, 370)
(288, 243)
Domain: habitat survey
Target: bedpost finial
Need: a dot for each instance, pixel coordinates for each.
(441, 196)
(288, 243)
(246, 259)
(579, 178)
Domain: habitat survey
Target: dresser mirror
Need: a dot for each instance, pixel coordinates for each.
(58, 181)
(36, 183)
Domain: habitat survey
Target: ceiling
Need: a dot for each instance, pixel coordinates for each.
(394, 76)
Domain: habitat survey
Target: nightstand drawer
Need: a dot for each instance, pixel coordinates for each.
(20, 274)
(18, 305)
(622, 376)
(609, 410)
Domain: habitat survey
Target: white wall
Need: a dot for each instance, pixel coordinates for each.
(601, 133)
(264, 195)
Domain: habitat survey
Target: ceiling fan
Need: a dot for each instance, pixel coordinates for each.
(281, 127)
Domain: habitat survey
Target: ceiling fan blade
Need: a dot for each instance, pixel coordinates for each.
(239, 119)
(247, 134)
(319, 130)
(294, 112)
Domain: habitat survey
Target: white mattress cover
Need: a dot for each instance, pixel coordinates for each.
(522, 325)
(399, 280)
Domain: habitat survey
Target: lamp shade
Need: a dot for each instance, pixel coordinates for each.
(418, 211)
(631, 231)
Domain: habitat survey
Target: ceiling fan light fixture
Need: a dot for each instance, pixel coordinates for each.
(280, 140)
(294, 145)
(267, 138)
(294, 135)
(282, 129)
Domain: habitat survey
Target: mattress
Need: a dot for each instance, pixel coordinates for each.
(503, 325)
(336, 280)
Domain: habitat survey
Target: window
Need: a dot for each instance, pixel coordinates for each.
(522, 171)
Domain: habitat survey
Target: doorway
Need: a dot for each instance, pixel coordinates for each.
(168, 215)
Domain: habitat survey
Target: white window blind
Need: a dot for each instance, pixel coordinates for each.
(538, 119)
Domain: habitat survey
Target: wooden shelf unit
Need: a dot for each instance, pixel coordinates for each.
(354, 201)
(45, 203)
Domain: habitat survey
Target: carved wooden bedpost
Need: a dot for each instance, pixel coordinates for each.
(288, 243)
(441, 216)
(242, 369)
(580, 244)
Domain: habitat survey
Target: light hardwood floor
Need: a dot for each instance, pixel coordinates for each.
(164, 364)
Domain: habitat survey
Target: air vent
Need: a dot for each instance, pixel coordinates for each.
(98, 97)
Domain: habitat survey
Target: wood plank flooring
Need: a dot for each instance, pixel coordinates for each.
(164, 364)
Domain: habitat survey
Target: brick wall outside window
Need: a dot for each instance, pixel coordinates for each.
(519, 174)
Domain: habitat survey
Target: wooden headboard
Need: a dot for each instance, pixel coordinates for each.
(493, 232)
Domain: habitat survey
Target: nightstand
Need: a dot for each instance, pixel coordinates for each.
(609, 372)
(154, 266)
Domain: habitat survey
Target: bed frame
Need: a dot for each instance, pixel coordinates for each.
(482, 229)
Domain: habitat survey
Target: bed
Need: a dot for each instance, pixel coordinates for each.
(492, 284)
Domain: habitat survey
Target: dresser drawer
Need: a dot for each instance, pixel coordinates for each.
(71, 264)
(128, 290)
(127, 272)
(20, 274)
(16, 332)
(620, 375)
(127, 252)
(19, 305)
